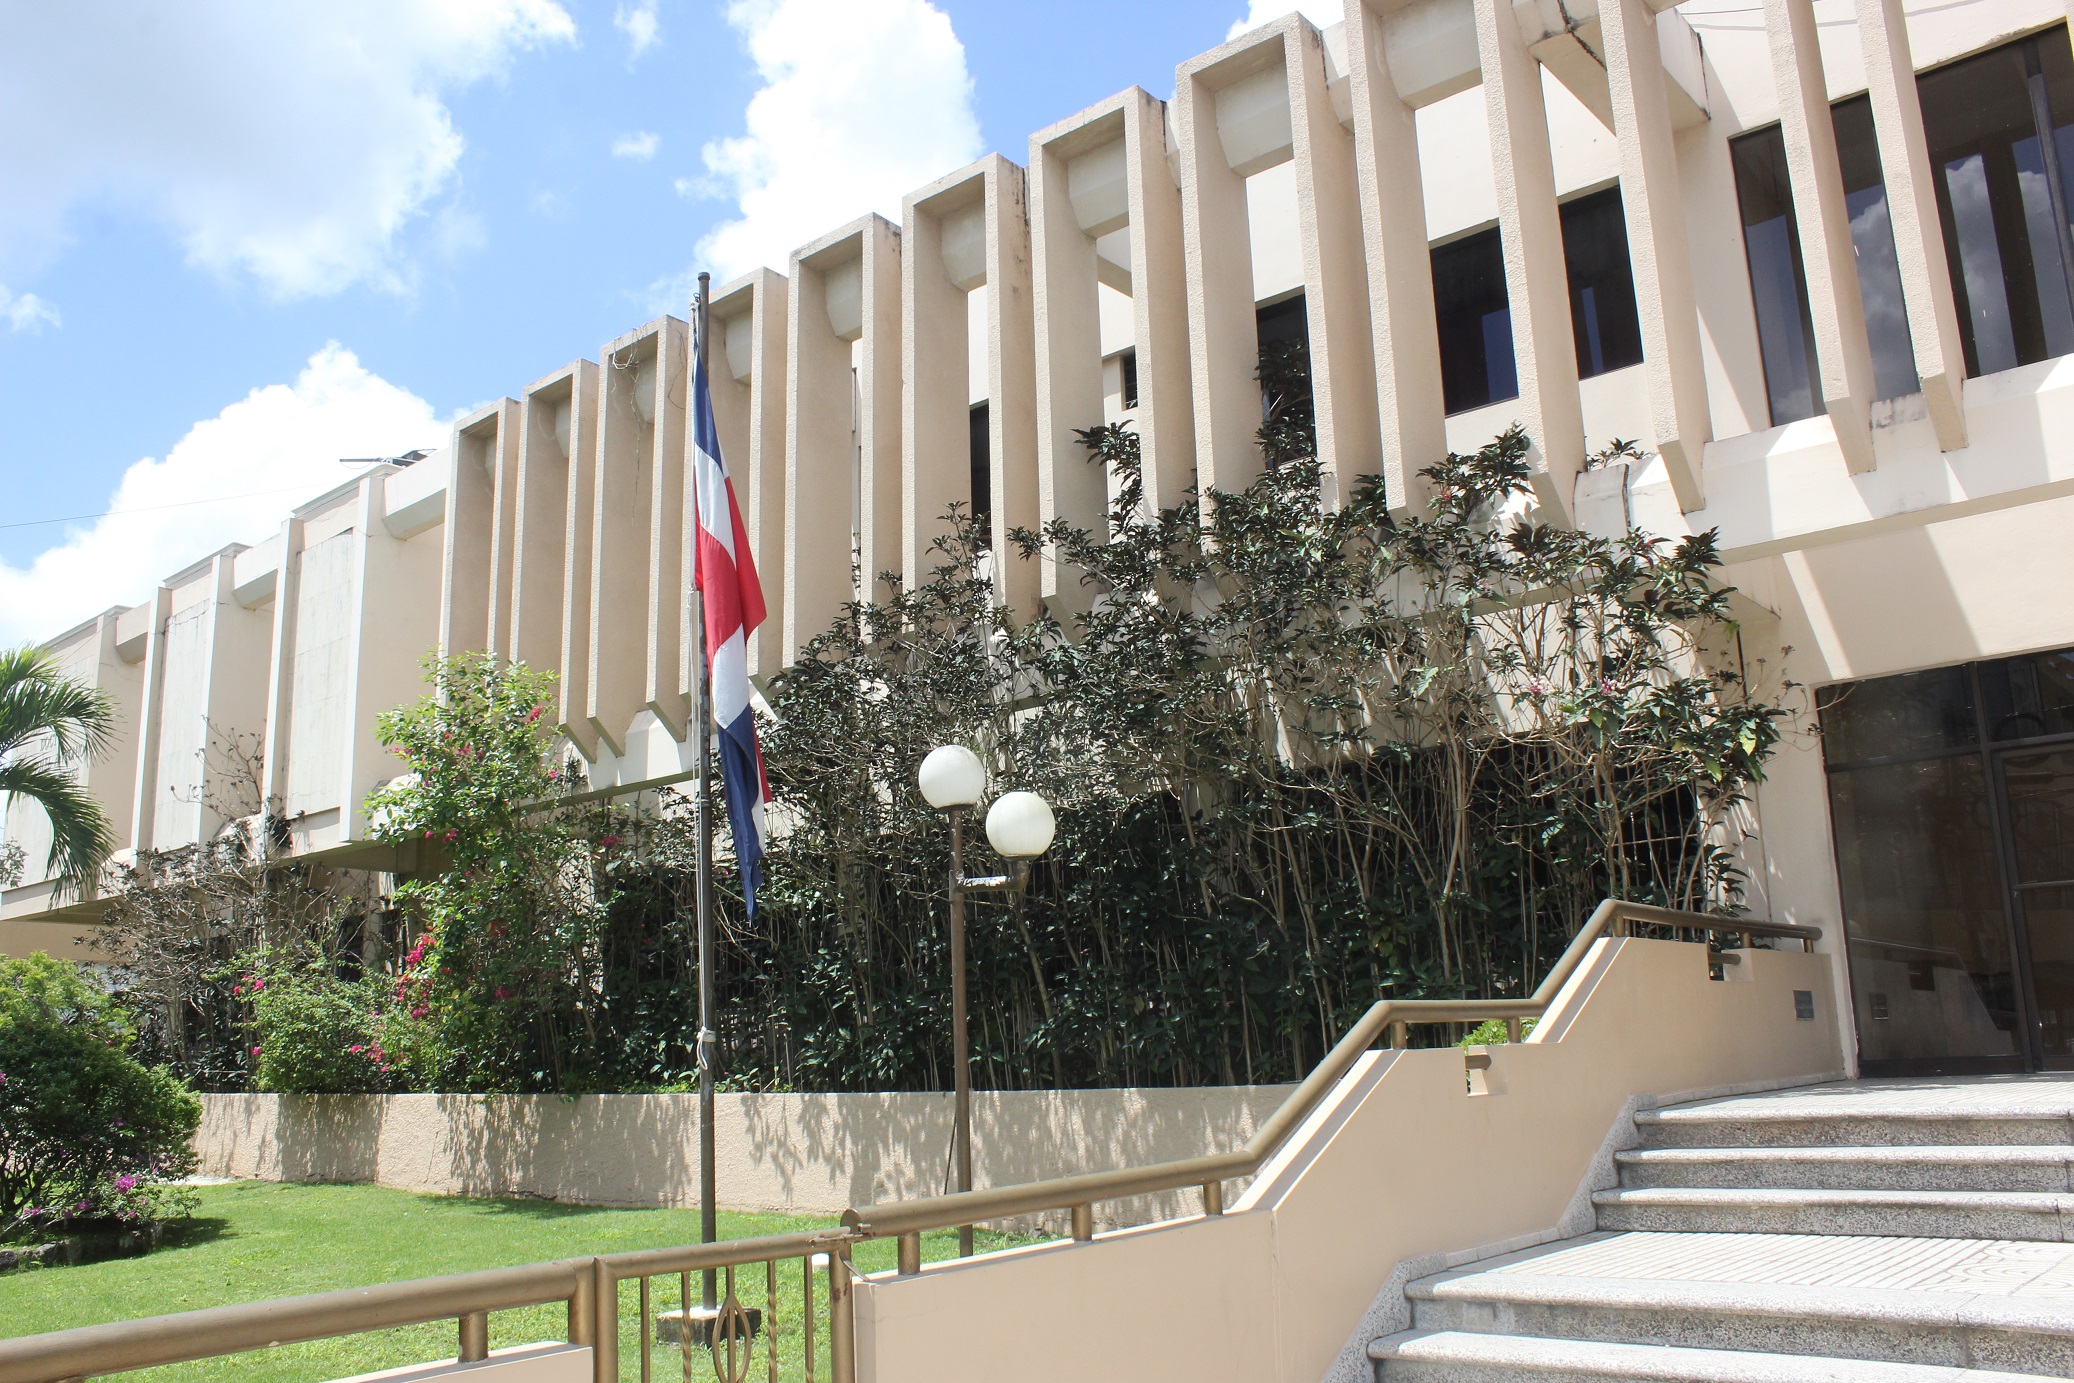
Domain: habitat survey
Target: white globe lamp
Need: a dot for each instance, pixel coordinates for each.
(1020, 825)
(952, 776)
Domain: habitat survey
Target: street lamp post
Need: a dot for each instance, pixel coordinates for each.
(1019, 827)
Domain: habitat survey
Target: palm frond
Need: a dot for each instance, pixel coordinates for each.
(81, 836)
(38, 700)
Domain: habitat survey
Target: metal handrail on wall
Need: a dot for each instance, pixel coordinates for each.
(590, 1286)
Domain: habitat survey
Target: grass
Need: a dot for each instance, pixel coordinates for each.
(249, 1241)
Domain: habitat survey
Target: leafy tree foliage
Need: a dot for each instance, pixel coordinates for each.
(1305, 755)
(1310, 744)
(88, 1135)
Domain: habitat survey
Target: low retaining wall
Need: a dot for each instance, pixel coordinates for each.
(802, 1154)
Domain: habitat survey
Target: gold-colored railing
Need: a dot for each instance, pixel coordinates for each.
(1392, 1017)
(756, 1318)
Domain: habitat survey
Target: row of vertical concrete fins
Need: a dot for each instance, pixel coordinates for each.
(842, 388)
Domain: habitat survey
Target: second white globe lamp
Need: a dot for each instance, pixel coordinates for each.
(1020, 825)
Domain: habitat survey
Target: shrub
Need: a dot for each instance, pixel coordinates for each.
(88, 1136)
(1492, 1032)
(314, 1033)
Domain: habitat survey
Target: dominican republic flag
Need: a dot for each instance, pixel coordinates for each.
(724, 570)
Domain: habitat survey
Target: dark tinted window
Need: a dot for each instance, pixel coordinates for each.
(1127, 364)
(1602, 284)
(1872, 238)
(2027, 697)
(1475, 317)
(1999, 152)
(982, 465)
(1771, 245)
(1918, 713)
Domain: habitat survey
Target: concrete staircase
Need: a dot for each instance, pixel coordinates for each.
(1890, 1232)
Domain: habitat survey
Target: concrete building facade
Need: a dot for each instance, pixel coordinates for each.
(1816, 259)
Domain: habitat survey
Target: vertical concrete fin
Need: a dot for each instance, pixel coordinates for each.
(585, 400)
(1926, 283)
(1653, 203)
(1336, 290)
(1536, 277)
(1842, 348)
(1411, 415)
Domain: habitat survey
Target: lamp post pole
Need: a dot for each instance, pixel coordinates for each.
(1019, 827)
(961, 1041)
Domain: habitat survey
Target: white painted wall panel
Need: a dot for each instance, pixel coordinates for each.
(183, 737)
(317, 729)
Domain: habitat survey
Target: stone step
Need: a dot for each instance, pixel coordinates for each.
(1452, 1356)
(1863, 1122)
(2016, 1215)
(1935, 1302)
(1904, 1168)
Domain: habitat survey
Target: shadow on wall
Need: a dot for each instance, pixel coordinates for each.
(803, 1154)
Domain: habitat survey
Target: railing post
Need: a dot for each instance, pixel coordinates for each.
(583, 1309)
(910, 1254)
(1213, 1198)
(605, 1327)
(475, 1338)
(1083, 1223)
(842, 1317)
(1512, 1027)
(1400, 1035)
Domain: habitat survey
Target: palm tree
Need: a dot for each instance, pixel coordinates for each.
(52, 725)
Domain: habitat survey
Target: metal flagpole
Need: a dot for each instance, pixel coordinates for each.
(702, 748)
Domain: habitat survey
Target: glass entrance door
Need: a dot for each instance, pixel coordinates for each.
(2038, 801)
(1951, 794)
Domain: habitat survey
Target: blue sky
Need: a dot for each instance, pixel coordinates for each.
(457, 196)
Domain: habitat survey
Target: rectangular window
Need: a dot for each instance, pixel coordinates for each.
(1872, 241)
(1127, 364)
(1284, 332)
(1778, 280)
(1474, 309)
(982, 468)
(1602, 284)
(1998, 149)
(1778, 287)
(1475, 318)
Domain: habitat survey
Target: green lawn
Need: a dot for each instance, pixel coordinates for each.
(253, 1240)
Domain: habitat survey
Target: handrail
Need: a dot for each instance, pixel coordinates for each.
(1209, 1173)
(135, 1344)
(589, 1285)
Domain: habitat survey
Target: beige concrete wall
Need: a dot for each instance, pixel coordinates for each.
(1403, 1165)
(813, 1154)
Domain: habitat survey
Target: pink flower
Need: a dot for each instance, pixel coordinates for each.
(608, 842)
(452, 836)
(1607, 688)
(502, 992)
(534, 714)
(125, 1183)
(255, 1049)
(420, 1011)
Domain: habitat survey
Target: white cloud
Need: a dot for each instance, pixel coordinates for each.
(862, 101)
(639, 23)
(1259, 12)
(292, 142)
(272, 449)
(639, 146)
(26, 311)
